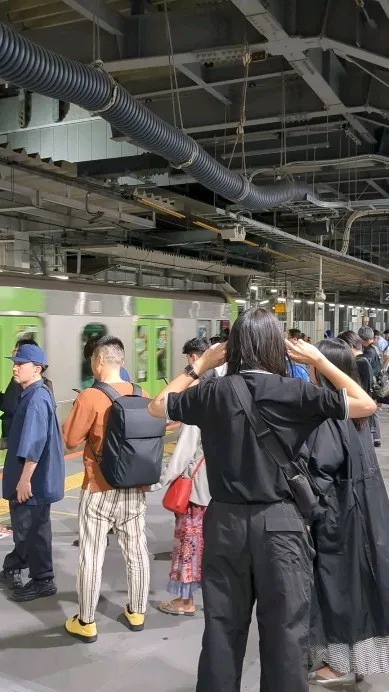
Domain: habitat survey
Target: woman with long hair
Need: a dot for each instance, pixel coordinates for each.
(350, 608)
(256, 546)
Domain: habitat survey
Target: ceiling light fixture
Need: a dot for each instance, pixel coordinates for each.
(273, 290)
(297, 300)
(342, 306)
(263, 302)
(310, 302)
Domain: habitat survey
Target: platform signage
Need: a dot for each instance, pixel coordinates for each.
(280, 308)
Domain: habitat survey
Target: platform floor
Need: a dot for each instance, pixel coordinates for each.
(36, 655)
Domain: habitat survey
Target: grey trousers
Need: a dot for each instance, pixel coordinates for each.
(262, 554)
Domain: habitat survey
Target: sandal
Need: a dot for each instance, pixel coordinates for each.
(168, 608)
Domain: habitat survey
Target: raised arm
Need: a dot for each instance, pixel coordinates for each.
(209, 360)
(360, 404)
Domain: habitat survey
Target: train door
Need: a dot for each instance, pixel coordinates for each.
(12, 329)
(152, 354)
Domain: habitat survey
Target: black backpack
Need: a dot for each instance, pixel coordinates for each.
(133, 441)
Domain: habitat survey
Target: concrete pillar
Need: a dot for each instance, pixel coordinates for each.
(319, 321)
(289, 307)
(336, 314)
(21, 251)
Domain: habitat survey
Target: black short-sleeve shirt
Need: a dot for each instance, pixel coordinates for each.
(239, 470)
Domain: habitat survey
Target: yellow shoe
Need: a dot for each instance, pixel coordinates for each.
(136, 620)
(85, 633)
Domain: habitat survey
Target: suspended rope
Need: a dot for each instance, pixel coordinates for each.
(173, 72)
(240, 130)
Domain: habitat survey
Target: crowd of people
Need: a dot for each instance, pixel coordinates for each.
(251, 409)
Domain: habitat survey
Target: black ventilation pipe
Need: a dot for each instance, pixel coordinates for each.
(36, 69)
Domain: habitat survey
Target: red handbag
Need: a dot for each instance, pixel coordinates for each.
(177, 496)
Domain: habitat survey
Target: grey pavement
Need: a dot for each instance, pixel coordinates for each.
(36, 655)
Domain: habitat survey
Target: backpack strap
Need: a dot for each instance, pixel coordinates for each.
(137, 390)
(109, 391)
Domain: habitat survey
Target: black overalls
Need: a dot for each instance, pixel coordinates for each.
(256, 547)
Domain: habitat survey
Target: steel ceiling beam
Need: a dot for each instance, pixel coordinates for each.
(378, 188)
(308, 67)
(385, 6)
(225, 54)
(110, 21)
(193, 72)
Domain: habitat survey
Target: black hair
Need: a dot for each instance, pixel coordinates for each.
(351, 339)
(216, 340)
(197, 346)
(109, 341)
(90, 347)
(339, 353)
(376, 332)
(112, 349)
(256, 342)
(295, 333)
(25, 342)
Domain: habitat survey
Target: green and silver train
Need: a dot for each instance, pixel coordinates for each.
(61, 316)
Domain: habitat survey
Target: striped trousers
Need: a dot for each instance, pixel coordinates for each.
(124, 512)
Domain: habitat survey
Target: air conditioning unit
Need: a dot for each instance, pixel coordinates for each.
(235, 233)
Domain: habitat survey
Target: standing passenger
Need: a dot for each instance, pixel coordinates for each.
(185, 574)
(256, 547)
(33, 478)
(101, 507)
(372, 353)
(350, 611)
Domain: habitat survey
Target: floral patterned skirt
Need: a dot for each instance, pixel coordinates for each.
(185, 573)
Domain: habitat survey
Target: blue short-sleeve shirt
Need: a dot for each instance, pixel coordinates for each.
(35, 435)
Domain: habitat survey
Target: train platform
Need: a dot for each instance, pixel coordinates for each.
(36, 654)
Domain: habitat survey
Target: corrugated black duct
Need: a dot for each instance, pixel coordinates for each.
(32, 67)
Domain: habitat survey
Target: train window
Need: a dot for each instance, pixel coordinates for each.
(142, 353)
(26, 332)
(204, 329)
(223, 328)
(161, 343)
(91, 333)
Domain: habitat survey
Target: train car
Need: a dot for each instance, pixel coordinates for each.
(61, 316)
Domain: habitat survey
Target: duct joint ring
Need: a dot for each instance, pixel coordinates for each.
(190, 161)
(246, 190)
(99, 66)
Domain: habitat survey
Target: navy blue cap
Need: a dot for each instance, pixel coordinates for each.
(28, 353)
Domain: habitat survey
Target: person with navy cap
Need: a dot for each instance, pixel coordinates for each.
(33, 478)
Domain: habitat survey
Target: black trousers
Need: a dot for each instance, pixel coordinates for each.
(262, 554)
(31, 526)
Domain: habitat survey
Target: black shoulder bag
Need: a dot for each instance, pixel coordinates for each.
(300, 481)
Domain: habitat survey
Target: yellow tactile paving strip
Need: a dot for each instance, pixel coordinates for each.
(75, 481)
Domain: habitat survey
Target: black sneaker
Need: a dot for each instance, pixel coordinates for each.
(377, 443)
(36, 588)
(11, 578)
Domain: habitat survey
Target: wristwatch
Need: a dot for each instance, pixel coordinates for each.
(190, 372)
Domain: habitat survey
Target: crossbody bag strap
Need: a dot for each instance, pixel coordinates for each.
(262, 431)
(197, 469)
